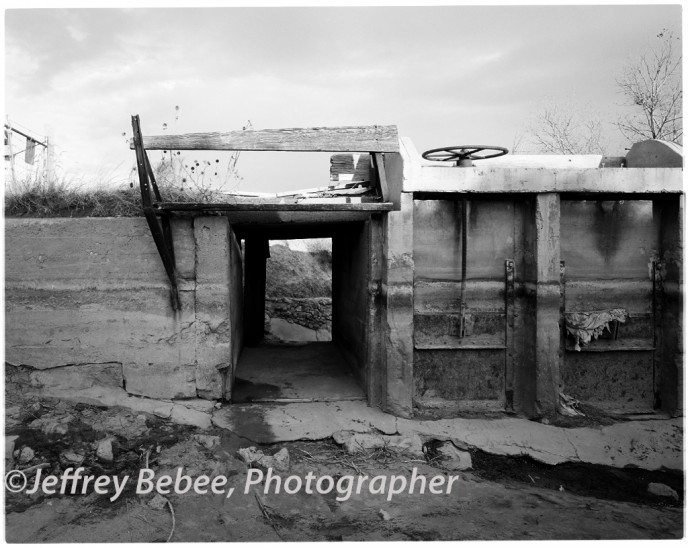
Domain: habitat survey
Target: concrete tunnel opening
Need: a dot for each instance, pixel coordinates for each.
(327, 359)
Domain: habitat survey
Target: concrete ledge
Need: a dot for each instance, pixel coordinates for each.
(650, 445)
(540, 180)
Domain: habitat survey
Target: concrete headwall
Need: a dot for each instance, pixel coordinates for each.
(89, 298)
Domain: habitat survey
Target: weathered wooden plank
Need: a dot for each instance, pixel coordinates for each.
(350, 167)
(317, 139)
(338, 206)
(535, 180)
(379, 164)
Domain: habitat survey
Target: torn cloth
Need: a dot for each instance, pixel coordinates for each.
(586, 326)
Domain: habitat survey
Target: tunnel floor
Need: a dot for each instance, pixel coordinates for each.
(305, 372)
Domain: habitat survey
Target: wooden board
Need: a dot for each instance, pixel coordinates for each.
(318, 139)
(337, 206)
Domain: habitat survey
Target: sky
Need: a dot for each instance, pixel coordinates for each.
(445, 75)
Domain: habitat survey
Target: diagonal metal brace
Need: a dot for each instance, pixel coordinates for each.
(160, 227)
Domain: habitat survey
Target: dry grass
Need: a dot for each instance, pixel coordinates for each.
(65, 198)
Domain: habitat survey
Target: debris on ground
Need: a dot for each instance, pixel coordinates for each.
(357, 442)
(662, 490)
(498, 497)
(257, 459)
(104, 450)
(158, 502)
(25, 455)
(207, 441)
(454, 459)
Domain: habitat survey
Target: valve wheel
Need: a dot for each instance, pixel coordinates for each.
(463, 155)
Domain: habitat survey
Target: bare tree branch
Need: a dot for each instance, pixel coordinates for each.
(652, 85)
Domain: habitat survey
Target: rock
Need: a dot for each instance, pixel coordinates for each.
(205, 406)
(104, 450)
(356, 442)
(52, 426)
(9, 447)
(384, 515)
(662, 490)
(71, 458)
(209, 442)
(26, 455)
(158, 502)
(279, 461)
(453, 458)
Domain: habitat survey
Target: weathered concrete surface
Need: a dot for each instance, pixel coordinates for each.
(350, 297)
(102, 396)
(94, 291)
(265, 423)
(397, 299)
(160, 380)
(213, 351)
(77, 377)
(539, 180)
(651, 445)
(548, 293)
(655, 153)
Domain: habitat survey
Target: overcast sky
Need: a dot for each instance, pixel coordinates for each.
(444, 75)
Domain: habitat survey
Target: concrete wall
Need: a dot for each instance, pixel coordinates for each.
(608, 248)
(90, 294)
(451, 371)
(350, 275)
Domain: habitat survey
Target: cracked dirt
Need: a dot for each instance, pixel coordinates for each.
(501, 498)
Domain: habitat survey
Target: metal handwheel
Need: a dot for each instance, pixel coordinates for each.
(463, 155)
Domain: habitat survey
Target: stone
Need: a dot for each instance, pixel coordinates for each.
(52, 425)
(384, 515)
(158, 502)
(71, 458)
(302, 421)
(191, 417)
(77, 377)
(9, 447)
(205, 406)
(254, 457)
(26, 455)
(453, 458)
(209, 442)
(104, 450)
(160, 380)
(662, 490)
(356, 442)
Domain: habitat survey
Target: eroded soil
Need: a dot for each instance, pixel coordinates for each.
(501, 499)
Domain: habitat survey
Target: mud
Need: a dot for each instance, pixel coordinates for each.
(502, 498)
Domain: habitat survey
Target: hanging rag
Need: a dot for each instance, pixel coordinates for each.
(586, 326)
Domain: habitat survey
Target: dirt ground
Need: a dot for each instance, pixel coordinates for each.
(500, 499)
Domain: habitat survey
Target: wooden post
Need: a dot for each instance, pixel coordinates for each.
(49, 158)
(257, 251)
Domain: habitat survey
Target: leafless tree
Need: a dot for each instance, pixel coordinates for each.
(561, 129)
(652, 85)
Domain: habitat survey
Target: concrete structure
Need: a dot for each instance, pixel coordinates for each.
(452, 300)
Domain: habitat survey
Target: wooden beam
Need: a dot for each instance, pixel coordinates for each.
(318, 139)
(363, 206)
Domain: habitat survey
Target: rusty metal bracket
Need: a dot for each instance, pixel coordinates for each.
(159, 226)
